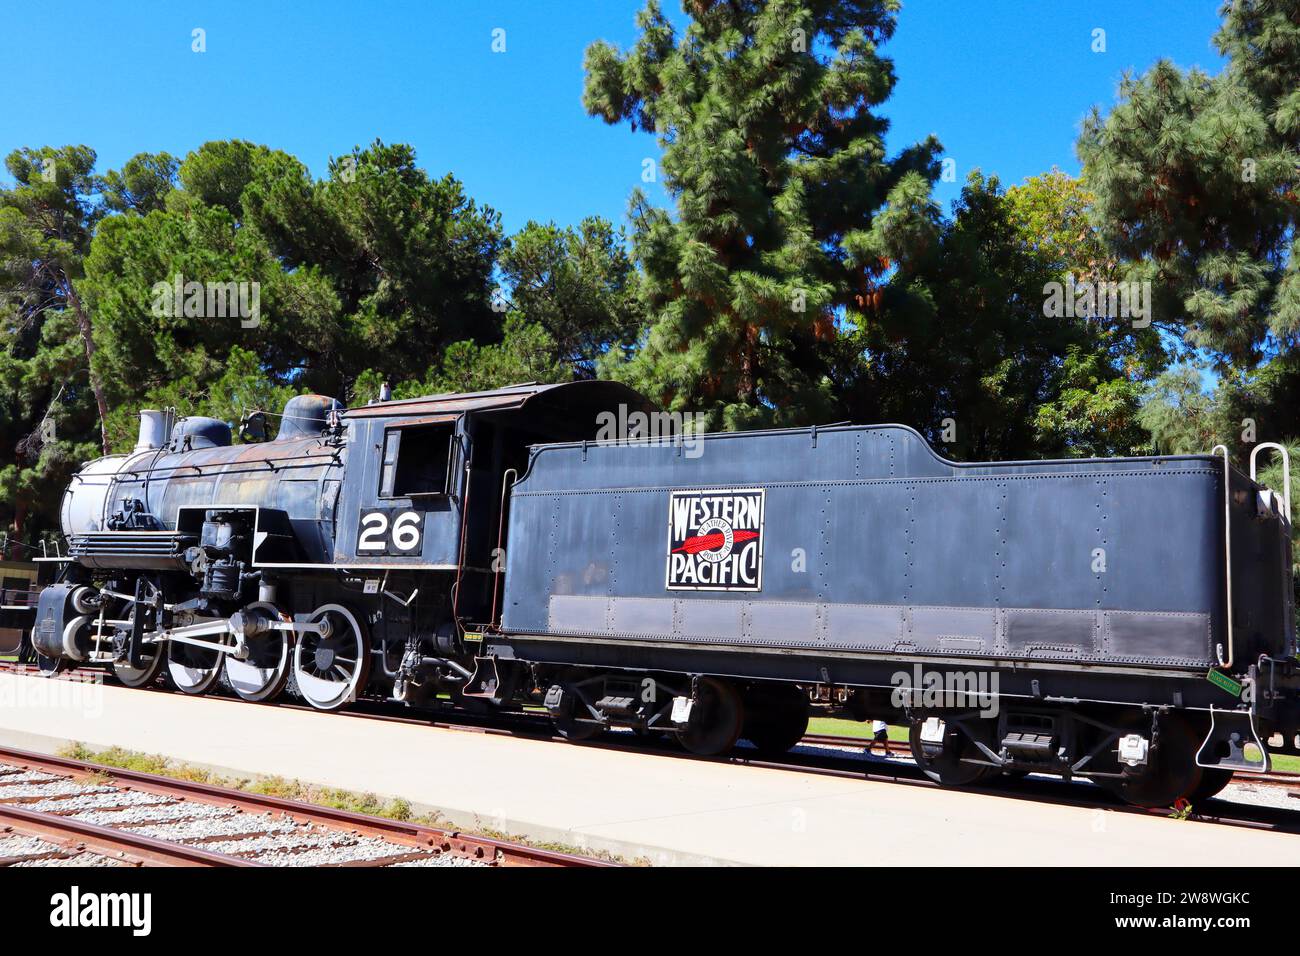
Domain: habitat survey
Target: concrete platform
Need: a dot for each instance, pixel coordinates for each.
(665, 809)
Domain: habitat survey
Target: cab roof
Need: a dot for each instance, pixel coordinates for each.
(510, 397)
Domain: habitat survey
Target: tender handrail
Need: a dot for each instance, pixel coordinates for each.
(1286, 471)
(1227, 550)
(496, 557)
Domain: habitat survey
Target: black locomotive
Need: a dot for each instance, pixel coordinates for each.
(1124, 620)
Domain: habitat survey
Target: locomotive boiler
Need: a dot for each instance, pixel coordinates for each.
(1129, 621)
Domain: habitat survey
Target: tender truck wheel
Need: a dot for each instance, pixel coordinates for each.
(716, 719)
(776, 717)
(939, 747)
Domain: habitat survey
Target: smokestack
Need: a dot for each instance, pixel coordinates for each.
(153, 429)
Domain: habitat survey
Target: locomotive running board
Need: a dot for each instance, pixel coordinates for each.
(1226, 746)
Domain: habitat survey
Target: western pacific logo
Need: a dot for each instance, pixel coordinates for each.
(715, 540)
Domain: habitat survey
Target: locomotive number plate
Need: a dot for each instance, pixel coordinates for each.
(394, 531)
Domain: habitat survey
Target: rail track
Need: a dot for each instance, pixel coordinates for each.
(60, 811)
(827, 754)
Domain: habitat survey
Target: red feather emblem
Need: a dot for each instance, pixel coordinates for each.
(713, 541)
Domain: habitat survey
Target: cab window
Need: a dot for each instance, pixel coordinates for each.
(417, 460)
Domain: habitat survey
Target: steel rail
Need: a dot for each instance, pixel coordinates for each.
(473, 846)
(108, 841)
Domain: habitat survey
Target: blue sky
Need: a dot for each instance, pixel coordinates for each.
(1003, 84)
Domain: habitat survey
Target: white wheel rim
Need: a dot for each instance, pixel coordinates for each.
(255, 683)
(191, 679)
(70, 635)
(139, 676)
(135, 675)
(328, 681)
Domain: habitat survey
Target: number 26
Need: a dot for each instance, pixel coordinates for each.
(376, 536)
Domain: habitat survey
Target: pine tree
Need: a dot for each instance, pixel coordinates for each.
(53, 405)
(1197, 180)
(577, 284)
(47, 220)
(788, 209)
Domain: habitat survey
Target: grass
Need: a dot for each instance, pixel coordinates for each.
(554, 847)
(837, 727)
(367, 803)
(1284, 763)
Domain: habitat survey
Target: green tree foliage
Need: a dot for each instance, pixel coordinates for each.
(1196, 180)
(142, 184)
(579, 285)
(572, 300)
(526, 353)
(1196, 177)
(379, 272)
(378, 266)
(409, 257)
(807, 276)
(1178, 413)
(51, 406)
(978, 365)
(1262, 40)
(788, 208)
(1052, 214)
(1092, 407)
(803, 274)
(1191, 185)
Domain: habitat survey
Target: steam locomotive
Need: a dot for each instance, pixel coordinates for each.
(1128, 621)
